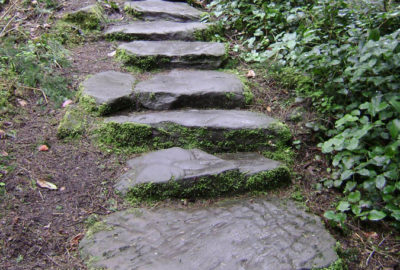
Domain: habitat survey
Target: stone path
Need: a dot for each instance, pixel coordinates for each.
(201, 142)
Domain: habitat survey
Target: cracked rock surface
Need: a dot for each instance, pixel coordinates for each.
(251, 235)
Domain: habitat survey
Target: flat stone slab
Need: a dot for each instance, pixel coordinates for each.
(155, 10)
(209, 130)
(191, 89)
(236, 235)
(157, 54)
(194, 173)
(156, 30)
(110, 90)
(212, 119)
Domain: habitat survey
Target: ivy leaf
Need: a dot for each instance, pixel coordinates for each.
(376, 215)
(380, 181)
(350, 185)
(343, 206)
(330, 215)
(354, 196)
(374, 34)
(346, 174)
(394, 128)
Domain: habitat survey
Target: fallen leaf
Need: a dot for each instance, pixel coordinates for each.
(3, 154)
(66, 103)
(269, 109)
(22, 102)
(373, 235)
(46, 184)
(43, 148)
(62, 188)
(250, 74)
(111, 54)
(75, 240)
(2, 134)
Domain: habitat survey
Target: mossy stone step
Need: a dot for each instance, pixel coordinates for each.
(210, 130)
(251, 234)
(156, 30)
(157, 54)
(191, 89)
(108, 92)
(156, 10)
(181, 173)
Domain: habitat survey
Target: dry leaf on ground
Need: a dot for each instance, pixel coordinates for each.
(43, 148)
(22, 102)
(66, 103)
(46, 184)
(250, 74)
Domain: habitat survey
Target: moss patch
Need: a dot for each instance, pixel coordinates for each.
(88, 19)
(137, 138)
(232, 182)
(133, 13)
(142, 62)
(212, 33)
(73, 124)
(148, 63)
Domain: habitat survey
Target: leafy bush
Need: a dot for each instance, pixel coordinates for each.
(345, 56)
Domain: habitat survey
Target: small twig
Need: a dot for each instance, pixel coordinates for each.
(8, 24)
(51, 259)
(8, 10)
(37, 89)
(373, 251)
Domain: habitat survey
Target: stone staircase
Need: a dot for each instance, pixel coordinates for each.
(201, 144)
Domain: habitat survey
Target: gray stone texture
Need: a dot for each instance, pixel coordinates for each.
(234, 235)
(156, 30)
(156, 10)
(110, 87)
(211, 119)
(191, 88)
(180, 53)
(186, 166)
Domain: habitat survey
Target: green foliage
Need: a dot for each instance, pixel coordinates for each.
(366, 155)
(35, 64)
(345, 56)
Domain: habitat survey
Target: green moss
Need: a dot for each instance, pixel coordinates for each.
(88, 19)
(66, 33)
(97, 227)
(134, 138)
(133, 13)
(213, 32)
(269, 179)
(142, 62)
(120, 36)
(137, 138)
(228, 183)
(73, 124)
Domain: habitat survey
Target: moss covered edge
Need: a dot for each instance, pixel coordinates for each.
(228, 183)
(139, 138)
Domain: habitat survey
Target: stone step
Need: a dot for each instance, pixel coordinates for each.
(107, 92)
(210, 130)
(110, 91)
(181, 173)
(148, 55)
(157, 30)
(231, 235)
(191, 89)
(162, 10)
